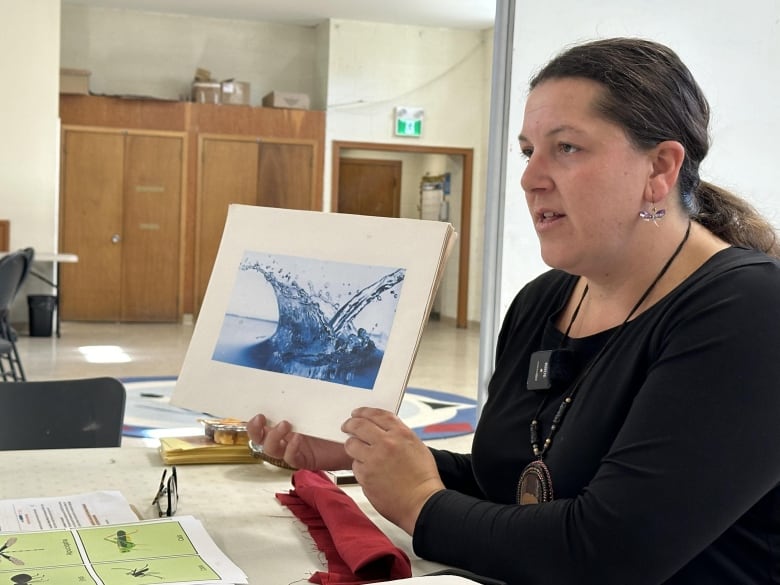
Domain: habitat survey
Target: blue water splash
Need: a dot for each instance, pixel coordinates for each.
(314, 336)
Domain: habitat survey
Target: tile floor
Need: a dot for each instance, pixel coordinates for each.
(447, 358)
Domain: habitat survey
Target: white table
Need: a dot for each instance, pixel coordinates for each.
(55, 258)
(235, 502)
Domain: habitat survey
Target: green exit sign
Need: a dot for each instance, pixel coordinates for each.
(408, 122)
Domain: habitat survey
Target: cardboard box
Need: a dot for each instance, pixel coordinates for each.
(74, 81)
(203, 74)
(286, 99)
(235, 92)
(206, 92)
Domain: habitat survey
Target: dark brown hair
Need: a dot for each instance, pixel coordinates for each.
(652, 95)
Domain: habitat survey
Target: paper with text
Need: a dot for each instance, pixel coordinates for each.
(76, 511)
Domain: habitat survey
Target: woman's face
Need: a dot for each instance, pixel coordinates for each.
(584, 181)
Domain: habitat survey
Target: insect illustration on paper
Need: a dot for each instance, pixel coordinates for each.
(143, 572)
(122, 540)
(24, 578)
(5, 555)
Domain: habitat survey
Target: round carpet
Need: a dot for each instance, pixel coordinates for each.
(432, 414)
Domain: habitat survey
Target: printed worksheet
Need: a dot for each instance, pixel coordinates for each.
(168, 551)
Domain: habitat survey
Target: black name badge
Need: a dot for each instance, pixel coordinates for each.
(539, 370)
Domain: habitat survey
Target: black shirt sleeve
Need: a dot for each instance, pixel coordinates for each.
(456, 472)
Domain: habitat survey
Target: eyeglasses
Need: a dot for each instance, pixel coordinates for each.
(167, 493)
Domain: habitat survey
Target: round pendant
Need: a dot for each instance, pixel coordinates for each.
(535, 485)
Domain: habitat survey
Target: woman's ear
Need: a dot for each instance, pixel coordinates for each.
(666, 159)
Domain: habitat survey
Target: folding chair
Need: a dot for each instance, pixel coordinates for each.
(7, 367)
(61, 414)
(14, 268)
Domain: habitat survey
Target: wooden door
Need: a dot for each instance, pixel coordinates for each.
(151, 228)
(369, 187)
(91, 225)
(285, 176)
(228, 174)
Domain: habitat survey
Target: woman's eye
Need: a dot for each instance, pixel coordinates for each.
(567, 148)
(526, 152)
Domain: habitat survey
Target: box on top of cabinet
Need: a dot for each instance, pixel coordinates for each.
(74, 81)
(235, 92)
(286, 99)
(206, 92)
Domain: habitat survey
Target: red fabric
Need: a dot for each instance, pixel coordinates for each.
(356, 550)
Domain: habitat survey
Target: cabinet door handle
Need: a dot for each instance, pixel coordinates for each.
(116, 238)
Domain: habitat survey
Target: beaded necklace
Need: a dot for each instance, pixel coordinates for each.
(535, 483)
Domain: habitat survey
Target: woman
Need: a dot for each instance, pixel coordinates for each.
(632, 426)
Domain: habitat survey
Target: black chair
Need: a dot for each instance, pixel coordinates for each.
(29, 255)
(14, 269)
(61, 414)
(7, 365)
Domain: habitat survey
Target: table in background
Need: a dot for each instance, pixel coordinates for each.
(235, 502)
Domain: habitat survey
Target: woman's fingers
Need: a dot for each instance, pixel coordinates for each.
(255, 428)
(369, 422)
(274, 439)
(375, 433)
(277, 438)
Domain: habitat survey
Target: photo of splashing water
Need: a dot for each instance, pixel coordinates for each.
(307, 317)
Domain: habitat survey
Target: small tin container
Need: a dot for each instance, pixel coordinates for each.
(226, 431)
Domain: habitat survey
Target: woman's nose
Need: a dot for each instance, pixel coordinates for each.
(536, 174)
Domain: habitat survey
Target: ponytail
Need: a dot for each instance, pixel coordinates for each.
(733, 219)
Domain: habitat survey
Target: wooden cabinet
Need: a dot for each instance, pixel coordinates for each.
(230, 154)
(121, 213)
(252, 171)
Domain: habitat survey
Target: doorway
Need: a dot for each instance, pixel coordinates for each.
(465, 156)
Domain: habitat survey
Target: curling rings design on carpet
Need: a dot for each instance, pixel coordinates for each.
(432, 414)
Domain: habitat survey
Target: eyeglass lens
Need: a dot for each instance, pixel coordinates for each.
(167, 496)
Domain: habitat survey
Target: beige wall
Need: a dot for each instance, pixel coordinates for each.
(29, 131)
(145, 53)
(28, 118)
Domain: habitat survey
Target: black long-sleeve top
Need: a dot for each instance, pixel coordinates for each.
(666, 469)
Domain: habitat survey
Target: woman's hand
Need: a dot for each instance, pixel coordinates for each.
(299, 451)
(395, 469)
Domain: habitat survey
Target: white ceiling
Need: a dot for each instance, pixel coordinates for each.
(471, 14)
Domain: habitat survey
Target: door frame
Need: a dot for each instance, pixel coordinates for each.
(461, 319)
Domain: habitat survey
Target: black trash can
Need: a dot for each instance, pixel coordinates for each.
(41, 313)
